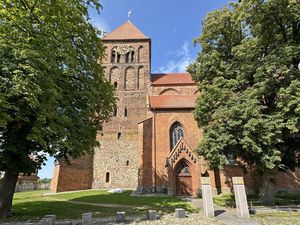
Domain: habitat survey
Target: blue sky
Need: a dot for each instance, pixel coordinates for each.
(171, 24)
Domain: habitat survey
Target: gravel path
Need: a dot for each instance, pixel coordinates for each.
(170, 219)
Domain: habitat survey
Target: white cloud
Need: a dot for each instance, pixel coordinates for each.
(180, 64)
(101, 25)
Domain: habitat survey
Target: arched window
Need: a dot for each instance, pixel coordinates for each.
(129, 79)
(176, 132)
(107, 177)
(129, 57)
(183, 169)
(115, 56)
(141, 54)
(116, 84)
(141, 78)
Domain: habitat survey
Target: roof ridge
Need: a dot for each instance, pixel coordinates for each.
(126, 31)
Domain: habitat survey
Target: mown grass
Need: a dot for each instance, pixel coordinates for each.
(33, 205)
(278, 218)
(280, 199)
(104, 197)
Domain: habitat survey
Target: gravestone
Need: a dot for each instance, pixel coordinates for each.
(86, 218)
(208, 205)
(240, 197)
(152, 215)
(120, 217)
(48, 220)
(180, 213)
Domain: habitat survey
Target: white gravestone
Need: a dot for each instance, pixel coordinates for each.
(240, 197)
(48, 220)
(86, 218)
(208, 205)
(180, 213)
(152, 215)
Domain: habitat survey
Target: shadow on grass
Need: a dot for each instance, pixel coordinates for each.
(35, 210)
(163, 204)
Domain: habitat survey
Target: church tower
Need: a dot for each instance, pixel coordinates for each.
(127, 67)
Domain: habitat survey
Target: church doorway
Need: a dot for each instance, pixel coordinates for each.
(183, 179)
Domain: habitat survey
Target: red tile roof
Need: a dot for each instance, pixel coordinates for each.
(172, 78)
(127, 31)
(172, 101)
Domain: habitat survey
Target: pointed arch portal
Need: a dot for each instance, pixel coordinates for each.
(183, 177)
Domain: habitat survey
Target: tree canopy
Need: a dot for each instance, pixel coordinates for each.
(249, 77)
(53, 95)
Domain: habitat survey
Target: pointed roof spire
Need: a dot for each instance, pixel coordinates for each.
(126, 31)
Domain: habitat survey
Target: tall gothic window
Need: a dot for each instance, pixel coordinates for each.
(176, 132)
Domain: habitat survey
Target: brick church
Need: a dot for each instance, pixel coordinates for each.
(148, 143)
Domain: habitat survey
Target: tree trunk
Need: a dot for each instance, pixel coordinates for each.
(7, 192)
(267, 191)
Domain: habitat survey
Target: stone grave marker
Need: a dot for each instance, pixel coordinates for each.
(152, 215)
(49, 220)
(120, 217)
(180, 213)
(240, 197)
(86, 218)
(208, 205)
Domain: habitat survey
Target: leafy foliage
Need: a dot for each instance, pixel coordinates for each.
(53, 95)
(249, 76)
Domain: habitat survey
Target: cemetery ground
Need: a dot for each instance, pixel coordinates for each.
(32, 206)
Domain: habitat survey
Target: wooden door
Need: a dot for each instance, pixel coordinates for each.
(183, 180)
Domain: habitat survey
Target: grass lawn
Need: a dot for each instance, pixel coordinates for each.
(280, 199)
(33, 205)
(281, 218)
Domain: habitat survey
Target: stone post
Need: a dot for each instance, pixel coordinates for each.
(180, 213)
(86, 218)
(240, 197)
(152, 215)
(48, 220)
(120, 217)
(208, 205)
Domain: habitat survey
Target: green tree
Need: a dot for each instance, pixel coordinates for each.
(53, 95)
(249, 75)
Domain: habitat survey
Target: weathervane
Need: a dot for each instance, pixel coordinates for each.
(129, 14)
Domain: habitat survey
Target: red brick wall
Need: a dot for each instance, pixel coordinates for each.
(163, 122)
(76, 176)
(145, 170)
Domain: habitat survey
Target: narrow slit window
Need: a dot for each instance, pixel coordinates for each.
(125, 112)
(119, 135)
(115, 111)
(107, 177)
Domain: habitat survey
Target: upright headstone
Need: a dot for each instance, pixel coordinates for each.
(240, 197)
(86, 218)
(120, 217)
(152, 215)
(48, 220)
(208, 205)
(180, 213)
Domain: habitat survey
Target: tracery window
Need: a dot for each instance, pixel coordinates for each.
(176, 132)
(183, 169)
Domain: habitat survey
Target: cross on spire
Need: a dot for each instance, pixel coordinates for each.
(129, 14)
